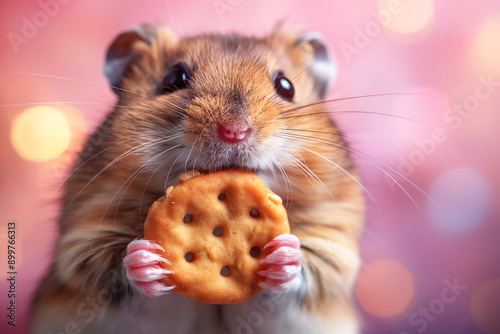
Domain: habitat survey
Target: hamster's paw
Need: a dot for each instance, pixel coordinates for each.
(142, 264)
(283, 264)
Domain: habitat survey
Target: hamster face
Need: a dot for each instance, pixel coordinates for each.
(231, 111)
(215, 102)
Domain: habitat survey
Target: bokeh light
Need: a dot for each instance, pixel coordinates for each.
(53, 172)
(485, 306)
(385, 288)
(406, 21)
(460, 199)
(78, 126)
(40, 133)
(487, 45)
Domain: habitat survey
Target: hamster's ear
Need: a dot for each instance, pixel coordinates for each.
(122, 51)
(320, 63)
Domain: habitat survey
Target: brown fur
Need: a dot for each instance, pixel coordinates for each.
(233, 71)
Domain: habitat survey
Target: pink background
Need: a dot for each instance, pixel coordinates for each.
(441, 69)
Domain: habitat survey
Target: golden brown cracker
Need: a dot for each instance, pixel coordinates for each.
(213, 229)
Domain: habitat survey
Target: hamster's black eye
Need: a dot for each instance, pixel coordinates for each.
(177, 78)
(283, 87)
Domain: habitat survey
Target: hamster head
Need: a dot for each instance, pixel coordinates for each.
(212, 102)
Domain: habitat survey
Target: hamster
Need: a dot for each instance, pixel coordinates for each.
(208, 102)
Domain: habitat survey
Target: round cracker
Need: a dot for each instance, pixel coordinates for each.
(214, 242)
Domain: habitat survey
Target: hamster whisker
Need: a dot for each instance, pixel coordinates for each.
(148, 181)
(169, 171)
(353, 178)
(303, 171)
(351, 139)
(91, 158)
(311, 176)
(291, 136)
(273, 102)
(355, 98)
(85, 103)
(196, 160)
(272, 169)
(129, 180)
(98, 84)
(191, 150)
(304, 70)
(342, 145)
(120, 157)
(366, 157)
(369, 160)
(288, 184)
(360, 153)
(351, 112)
(150, 178)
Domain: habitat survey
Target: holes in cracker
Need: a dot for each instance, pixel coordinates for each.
(255, 251)
(221, 196)
(224, 271)
(254, 213)
(187, 218)
(189, 257)
(217, 231)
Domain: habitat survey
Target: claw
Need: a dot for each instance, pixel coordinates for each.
(136, 245)
(153, 289)
(143, 258)
(283, 255)
(283, 264)
(284, 240)
(147, 273)
(142, 265)
(282, 272)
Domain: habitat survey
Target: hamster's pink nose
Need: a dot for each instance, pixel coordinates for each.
(233, 133)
